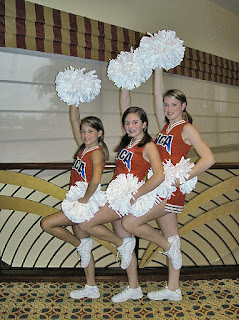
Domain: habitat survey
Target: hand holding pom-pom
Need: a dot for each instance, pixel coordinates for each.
(162, 50)
(75, 86)
(128, 71)
(120, 191)
(182, 172)
(188, 185)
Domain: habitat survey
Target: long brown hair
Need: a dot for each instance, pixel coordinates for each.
(180, 96)
(96, 124)
(125, 140)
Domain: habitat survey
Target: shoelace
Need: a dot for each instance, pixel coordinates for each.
(125, 291)
(118, 257)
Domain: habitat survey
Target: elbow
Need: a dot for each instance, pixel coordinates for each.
(212, 160)
(95, 182)
(160, 178)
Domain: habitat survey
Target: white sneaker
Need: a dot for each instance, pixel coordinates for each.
(174, 253)
(125, 251)
(165, 294)
(84, 251)
(127, 294)
(87, 292)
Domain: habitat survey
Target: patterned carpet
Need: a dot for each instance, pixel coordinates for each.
(202, 299)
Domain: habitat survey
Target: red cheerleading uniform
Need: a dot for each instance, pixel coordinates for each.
(82, 167)
(131, 160)
(171, 146)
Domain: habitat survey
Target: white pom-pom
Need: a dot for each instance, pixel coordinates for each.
(75, 86)
(189, 185)
(162, 50)
(79, 212)
(128, 71)
(76, 212)
(169, 171)
(182, 170)
(120, 190)
(76, 192)
(143, 204)
(166, 188)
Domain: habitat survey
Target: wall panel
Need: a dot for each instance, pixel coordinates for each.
(34, 125)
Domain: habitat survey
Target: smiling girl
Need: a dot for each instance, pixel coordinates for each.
(137, 153)
(84, 197)
(175, 140)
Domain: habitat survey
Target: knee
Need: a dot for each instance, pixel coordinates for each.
(84, 226)
(44, 224)
(127, 225)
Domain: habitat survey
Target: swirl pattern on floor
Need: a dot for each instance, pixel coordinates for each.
(202, 299)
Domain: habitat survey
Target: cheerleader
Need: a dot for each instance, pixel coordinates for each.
(136, 154)
(173, 143)
(84, 197)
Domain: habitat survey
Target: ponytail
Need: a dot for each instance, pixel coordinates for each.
(187, 116)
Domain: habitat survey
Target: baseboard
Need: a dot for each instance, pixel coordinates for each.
(116, 274)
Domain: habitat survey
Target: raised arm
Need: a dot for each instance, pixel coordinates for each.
(158, 94)
(125, 100)
(74, 115)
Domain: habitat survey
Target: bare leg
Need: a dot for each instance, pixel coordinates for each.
(133, 290)
(90, 269)
(139, 226)
(55, 224)
(132, 271)
(96, 226)
(169, 226)
(80, 234)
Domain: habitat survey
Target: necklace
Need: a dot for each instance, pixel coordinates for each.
(168, 129)
(133, 143)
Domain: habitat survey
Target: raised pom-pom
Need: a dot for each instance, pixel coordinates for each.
(75, 86)
(162, 50)
(128, 70)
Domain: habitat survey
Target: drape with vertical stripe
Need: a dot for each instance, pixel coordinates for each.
(35, 27)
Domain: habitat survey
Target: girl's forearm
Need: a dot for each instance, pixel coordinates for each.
(92, 186)
(152, 183)
(158, 94)
(125, 100)
(74, 115)
(201, 166)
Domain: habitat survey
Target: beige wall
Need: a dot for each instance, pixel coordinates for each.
(203, 24)
(34, 124)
